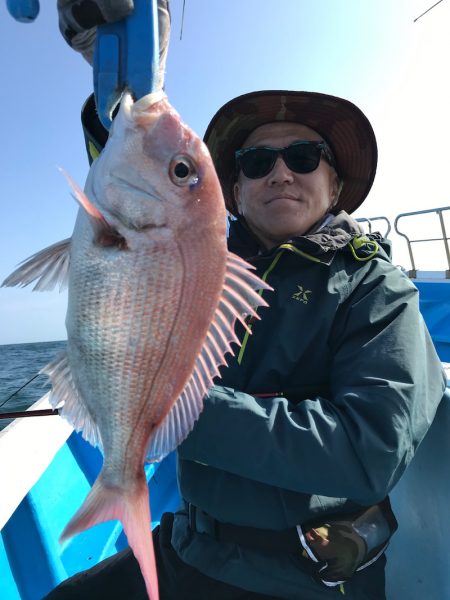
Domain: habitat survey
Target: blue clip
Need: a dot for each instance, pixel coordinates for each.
(126, 59)
(24, 11)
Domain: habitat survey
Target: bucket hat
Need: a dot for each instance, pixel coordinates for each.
(339, 122)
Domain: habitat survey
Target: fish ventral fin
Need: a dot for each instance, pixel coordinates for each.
(105, 234)
(47, 267)
(239, 300)
(65, 393)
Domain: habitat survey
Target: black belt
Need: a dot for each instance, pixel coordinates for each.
(265, 540)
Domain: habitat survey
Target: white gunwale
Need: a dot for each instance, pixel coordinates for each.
(27, 447)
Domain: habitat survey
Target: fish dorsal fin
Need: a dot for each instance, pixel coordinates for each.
(65, 396)
(47, 267)
(239, 300)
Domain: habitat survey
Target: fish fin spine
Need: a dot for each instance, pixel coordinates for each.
(105, 234)
(239, 300)
(81, 198)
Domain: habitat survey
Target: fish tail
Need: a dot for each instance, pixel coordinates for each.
(105, 503)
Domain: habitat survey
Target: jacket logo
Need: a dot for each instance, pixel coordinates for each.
(302, 295)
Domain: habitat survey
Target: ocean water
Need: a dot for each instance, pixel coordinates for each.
(18, 364)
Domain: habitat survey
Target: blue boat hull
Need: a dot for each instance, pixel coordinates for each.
(32, 561)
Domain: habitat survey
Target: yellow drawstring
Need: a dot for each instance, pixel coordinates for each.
(247, 333)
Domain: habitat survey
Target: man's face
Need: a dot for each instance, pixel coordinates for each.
(284, 204)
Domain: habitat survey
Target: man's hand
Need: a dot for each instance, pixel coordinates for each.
(78, 20)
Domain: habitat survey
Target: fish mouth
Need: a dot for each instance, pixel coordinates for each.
(147, 102)
(133, 109)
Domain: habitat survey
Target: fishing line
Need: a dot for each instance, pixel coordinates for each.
(182, 19)
(44, 412)
(21, 388)
(428, 10)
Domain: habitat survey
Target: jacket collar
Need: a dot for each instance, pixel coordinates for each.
(326, 238)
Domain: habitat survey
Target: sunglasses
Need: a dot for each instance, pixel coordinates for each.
(300, 157)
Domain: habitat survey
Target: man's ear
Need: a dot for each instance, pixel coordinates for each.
(237, 197)
(336, 188)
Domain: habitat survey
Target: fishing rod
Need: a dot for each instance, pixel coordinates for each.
(44, 412)
(29, 413)
(428, 10)
(21, 388)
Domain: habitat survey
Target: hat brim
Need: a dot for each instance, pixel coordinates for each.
(339, 122)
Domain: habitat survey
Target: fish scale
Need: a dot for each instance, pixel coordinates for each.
(153, 299)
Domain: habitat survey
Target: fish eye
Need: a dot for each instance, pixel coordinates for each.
(182, 171)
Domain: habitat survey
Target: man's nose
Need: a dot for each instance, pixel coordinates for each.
(280, 173)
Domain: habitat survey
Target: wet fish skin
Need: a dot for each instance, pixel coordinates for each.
(153, 297)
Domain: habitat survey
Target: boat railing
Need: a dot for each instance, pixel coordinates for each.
(413, 273)
(370, 220)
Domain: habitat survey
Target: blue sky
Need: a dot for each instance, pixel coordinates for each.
(369, 52)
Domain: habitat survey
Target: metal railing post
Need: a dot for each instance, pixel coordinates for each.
(444, 238)
(370, 220)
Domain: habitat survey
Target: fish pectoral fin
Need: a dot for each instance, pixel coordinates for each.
(64, 394)
(47, 267)
(239, 299)
(105, 234)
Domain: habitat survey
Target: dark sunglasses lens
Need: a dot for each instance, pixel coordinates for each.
(257, 162)
(302, 158)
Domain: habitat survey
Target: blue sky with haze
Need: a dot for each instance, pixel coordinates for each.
(369, 52)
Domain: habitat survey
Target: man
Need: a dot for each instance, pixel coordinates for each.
(285, 477)
(325, 404)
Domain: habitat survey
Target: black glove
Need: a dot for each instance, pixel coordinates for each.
(342, 545)
(78, 20)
